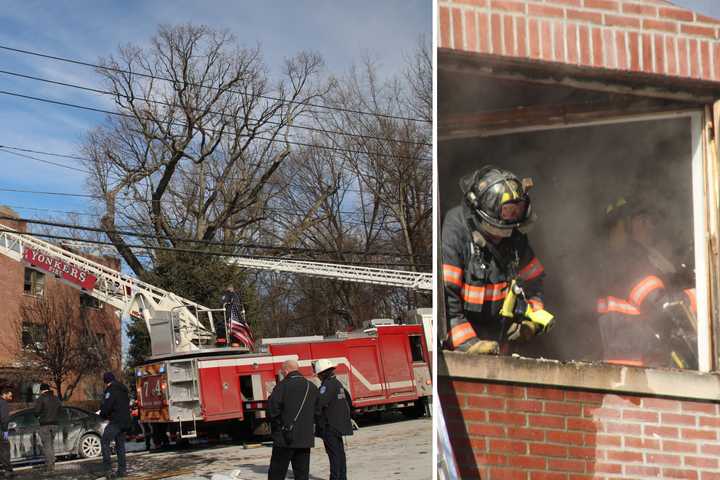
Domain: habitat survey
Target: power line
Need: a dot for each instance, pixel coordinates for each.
(69, 167)
(271, 140)
(215, 254)
(209, 243)
(266, 97)
(158, 102)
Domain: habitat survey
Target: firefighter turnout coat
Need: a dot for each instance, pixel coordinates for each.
(476, 282)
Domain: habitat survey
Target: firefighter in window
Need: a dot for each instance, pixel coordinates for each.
(493, 281)
(646, 309)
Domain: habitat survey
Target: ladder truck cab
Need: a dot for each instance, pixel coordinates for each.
(383, 367)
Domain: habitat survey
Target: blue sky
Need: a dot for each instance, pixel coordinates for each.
(342, 32)
(706, 7)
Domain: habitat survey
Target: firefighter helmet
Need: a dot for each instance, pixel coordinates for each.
(499, 200)
(627, 207)
(322, 365)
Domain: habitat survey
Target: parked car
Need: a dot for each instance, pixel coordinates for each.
(79, 433)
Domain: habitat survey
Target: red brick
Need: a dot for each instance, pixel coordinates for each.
(474, 3)
(622, 21)
(670, 56)
(712, 421)
(508, 6)
(507, 446)
(584, 16)
(677, 473)
(597, 43)
(508, 35)
(568, 438)
(507, 418)
(642, 470)
(673, 418)
(484, 32)
(700, 407)
(545, 11)
(641, 443)
(664, 26)
(444, 17)
(559, 41)
(524, 406)
(496, 39)
(601, 4)
(706, 19)
(489, 403)
(547, 450)
(705, 60)
(673, 446)
(546, 421)
(570, 3)
(546, 393)
(643, 416)
(584, 397)
(529, 463)
(661, 404)
(639, 9)
(473, 415)
(485, 430)
(621, 49)
(608, 467)
(534, 36)
(710, 476)
(660, 66)
(471, 34)
(683, 60)
(698, 30)
(624, 428)
(702, 462)
(560, 408)
(664, 432)
(546, 39)
(624, 456)
(710, 449)
(457, 29)
(571, 40)
(581, 424)
(607, 440)
(584, 33)
(692, 434)
(526, 434)
(582, 452)
(520, 26)
(634, 42)
(547, 476)
(507, 474)
(676, 14)
(491, 459)
(477, 444)
(663, 459)
(577, 466)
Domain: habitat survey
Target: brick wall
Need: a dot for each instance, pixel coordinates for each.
(651, 36)
(505, 431)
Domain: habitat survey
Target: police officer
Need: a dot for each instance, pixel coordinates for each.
(6, 470)
(47, 409)
(334, 421)
(292, 408)
(116, 409)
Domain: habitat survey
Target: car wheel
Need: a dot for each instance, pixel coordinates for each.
(90, 446)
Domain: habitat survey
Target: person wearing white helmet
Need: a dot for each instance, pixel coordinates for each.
(334, 421)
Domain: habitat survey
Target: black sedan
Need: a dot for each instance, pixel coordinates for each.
(79, 433)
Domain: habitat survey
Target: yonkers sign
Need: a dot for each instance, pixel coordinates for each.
(66, 271)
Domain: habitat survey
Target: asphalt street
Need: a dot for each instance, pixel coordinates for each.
(392, 448)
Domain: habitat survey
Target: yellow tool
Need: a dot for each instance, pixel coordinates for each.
(542, 319)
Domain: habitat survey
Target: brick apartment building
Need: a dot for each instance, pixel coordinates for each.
(20, 284)
(589, 98)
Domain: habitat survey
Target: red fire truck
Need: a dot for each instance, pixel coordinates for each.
(382, 368)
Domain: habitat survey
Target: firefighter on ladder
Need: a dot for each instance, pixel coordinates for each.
(642, 300)
(234, 326)
(493, 281)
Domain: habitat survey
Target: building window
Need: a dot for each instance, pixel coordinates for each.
(33, 336)
(416, 348)
(34, 282)
(88, 301)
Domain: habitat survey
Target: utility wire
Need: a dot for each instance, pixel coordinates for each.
(158, 102)
(215, 254)
(145, 75)
(272, 140)
(209, 243)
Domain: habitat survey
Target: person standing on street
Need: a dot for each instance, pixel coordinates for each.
(293, 406)
(334, 421)
(6, 470)
(47, 409)
(116, 409)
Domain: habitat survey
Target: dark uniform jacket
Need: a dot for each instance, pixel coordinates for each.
(116, 406)
(4, 415)
(334, 408)
(476, 283)
(47, 408)
(630, 310)
(284, 404)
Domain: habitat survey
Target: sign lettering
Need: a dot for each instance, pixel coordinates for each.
(66, 271)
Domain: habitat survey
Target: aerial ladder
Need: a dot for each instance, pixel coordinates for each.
(177, 325)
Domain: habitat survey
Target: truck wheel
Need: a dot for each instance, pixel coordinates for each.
(417, 410)
(89, 446)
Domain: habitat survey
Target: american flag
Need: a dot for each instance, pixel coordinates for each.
(239, 328)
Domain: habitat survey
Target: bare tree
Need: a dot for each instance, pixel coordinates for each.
(65, 342)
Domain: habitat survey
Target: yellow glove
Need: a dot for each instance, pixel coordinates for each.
(524, 330)
(484, 347)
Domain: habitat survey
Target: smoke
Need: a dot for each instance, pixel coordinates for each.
(577, 173)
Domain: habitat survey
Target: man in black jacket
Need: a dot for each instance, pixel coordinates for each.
(47, 409)
(116, 409)
(334, 421)
(6, 470)
(293, 406)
